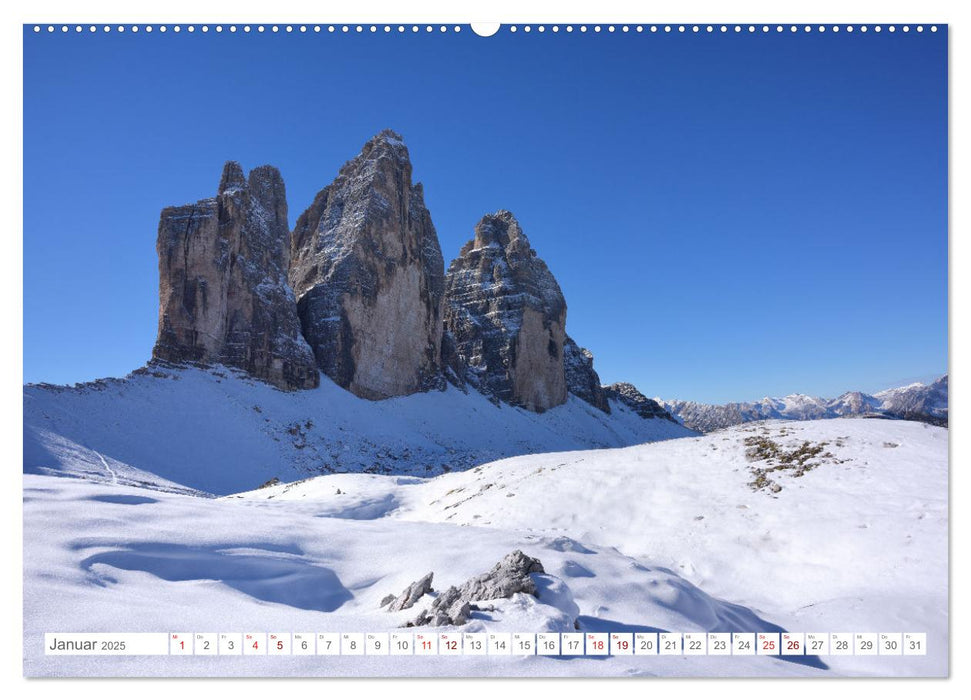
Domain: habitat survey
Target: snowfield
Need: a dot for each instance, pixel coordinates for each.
(220, 432)
(679, 535)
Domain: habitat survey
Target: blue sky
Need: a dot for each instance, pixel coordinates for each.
(729, 215)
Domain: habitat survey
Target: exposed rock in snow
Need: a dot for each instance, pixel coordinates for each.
(507, 315)
(628, 395)
(450, 608)
(367, 271)
(509, 576)
(223, 292)
(411, 595)
(581, 378)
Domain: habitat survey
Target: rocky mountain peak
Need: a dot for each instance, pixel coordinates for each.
(368, 274)
(232, 178)
(223, 292)
(500, 229)
(507, 316)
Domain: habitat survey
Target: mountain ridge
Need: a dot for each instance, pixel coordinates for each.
(927, 403)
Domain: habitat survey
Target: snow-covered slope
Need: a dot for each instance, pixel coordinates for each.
(220, 432)
(922, 402)
(679, 535)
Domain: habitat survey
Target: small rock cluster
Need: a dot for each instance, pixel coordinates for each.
(454, 606)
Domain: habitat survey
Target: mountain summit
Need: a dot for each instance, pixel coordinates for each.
(507, 315)
(367, 271)
(223, 293)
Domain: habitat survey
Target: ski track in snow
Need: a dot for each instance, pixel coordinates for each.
(111, 472)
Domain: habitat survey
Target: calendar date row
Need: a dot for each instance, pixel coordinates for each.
(488, 644)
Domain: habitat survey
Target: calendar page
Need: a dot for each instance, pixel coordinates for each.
(539, 349)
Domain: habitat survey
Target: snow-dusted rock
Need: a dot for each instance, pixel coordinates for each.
(628, 395)
(581, 378)
(412, 594)
(367, 271)
(223, 291)
(450, 608)
(509, 576)
(508, 316)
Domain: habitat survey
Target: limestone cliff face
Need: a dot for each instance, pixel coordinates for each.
(223, 291)
(368, 275)
(582, 379)
(507, 316)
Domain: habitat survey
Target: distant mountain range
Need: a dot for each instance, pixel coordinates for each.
(920, 402)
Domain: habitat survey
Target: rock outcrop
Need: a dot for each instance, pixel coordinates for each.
(223, 291)
(628, 395)
(368, 274)
(509, 576)
(507, 316)
(411, 595)
(581, 378)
